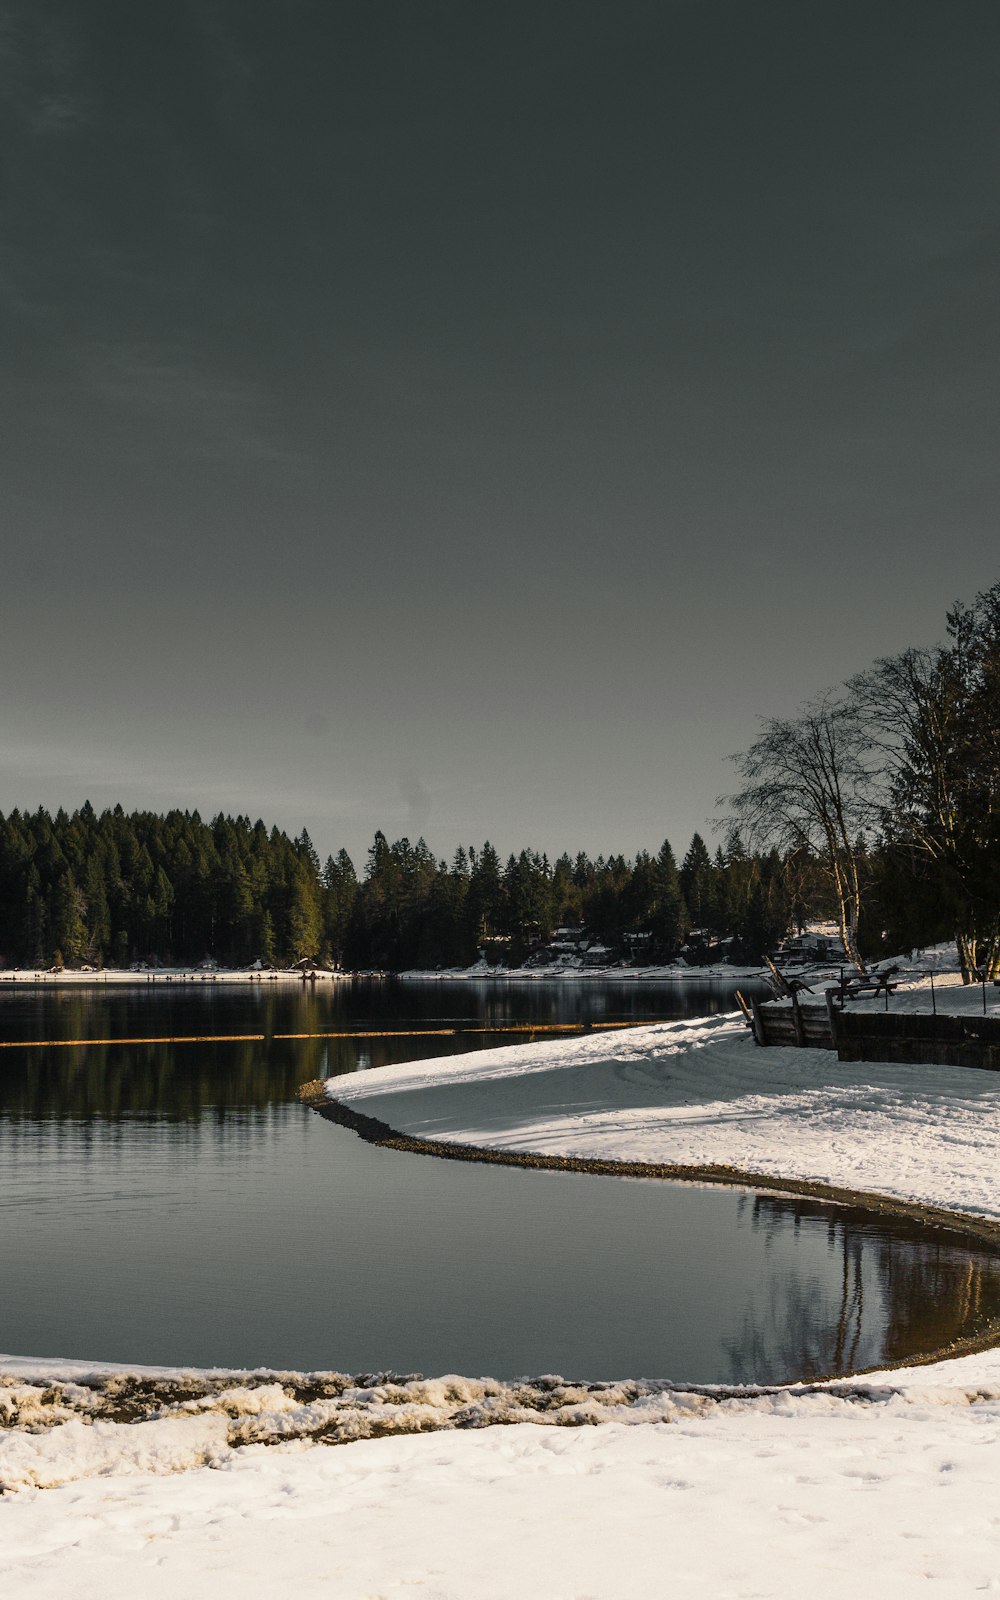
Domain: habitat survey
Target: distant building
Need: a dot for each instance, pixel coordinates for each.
(805, 948)
(638, 947)
(701, 948)
(494, 949)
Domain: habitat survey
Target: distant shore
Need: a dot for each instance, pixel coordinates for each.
(719, 973)
(117, 977)
(144, 977)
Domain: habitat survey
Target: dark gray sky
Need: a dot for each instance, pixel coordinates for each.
(465, 419)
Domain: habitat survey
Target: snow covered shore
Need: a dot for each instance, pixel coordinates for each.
(575, 972)
(702, 1095)
(891, 1493)
(126, 977)
(117, 977)
(883, 1485)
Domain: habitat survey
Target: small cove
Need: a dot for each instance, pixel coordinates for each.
(175, 1204)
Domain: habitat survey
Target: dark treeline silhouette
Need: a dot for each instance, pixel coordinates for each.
(877, 807)
(113, 889)
(415, 911)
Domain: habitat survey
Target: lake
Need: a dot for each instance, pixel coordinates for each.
(174, 1204)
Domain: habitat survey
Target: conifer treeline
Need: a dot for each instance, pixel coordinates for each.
(115, 888)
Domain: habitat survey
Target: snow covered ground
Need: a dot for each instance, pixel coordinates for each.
(882, 1489)
(703, 1094)
(112, 977)
(573, 970)
(162, 1485)
(119, 977)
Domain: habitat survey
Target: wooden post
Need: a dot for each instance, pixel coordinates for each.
(759, 1031)
(831, 1012)
(745, 1009)
(800, 1027)
(780, 981)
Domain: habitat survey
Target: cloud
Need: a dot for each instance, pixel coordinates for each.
(43, 88)
(197, 411)
(418, 804)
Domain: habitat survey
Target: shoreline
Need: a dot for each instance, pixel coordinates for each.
(966, 1225)
(115, 978)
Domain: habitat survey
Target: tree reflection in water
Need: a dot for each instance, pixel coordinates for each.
(904, 1288)
(185, 1082)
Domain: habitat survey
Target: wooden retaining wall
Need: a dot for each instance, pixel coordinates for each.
(903, 1036)
(796, 1024)
(919, 1036)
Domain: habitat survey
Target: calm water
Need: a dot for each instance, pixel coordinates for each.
(174, 1204)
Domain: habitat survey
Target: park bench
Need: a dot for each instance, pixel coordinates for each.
(854, 986)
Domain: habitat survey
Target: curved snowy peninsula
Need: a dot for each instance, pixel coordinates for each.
(699, 1099)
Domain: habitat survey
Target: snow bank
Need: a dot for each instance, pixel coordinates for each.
(572, 971)
(893, 1499)
(58, 1434)
(703, 1094)
(116, 977)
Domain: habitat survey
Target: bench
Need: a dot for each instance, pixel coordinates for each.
(852, 988)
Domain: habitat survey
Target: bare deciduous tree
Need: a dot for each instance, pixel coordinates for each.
(806, 783)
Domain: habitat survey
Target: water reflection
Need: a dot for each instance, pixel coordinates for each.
(890, 1288)
(181, 1081)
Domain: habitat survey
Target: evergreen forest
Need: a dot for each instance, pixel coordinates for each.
(111, 888)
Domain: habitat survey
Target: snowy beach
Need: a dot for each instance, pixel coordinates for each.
(701, 1094)
(887, 1481)
(125, 977)
(85, 978)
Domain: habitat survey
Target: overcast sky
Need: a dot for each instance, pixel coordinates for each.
(465, 419)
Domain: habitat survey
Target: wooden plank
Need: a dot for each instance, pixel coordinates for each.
(800, 1032)
(747, 1013)
(779, 1030)
(759, 1032)
(818, 1032)
(779, 978)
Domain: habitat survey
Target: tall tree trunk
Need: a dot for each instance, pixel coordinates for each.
(848, 910)
(966, 945)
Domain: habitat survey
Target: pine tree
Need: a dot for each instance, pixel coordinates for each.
(33, 939)
(67, 927)
(304, 921)
(306, 852)
(696, 880)
(668, 920)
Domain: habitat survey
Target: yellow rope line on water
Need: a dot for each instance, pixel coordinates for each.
(441, 1033)
(193, 1038)
(259, 1038)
